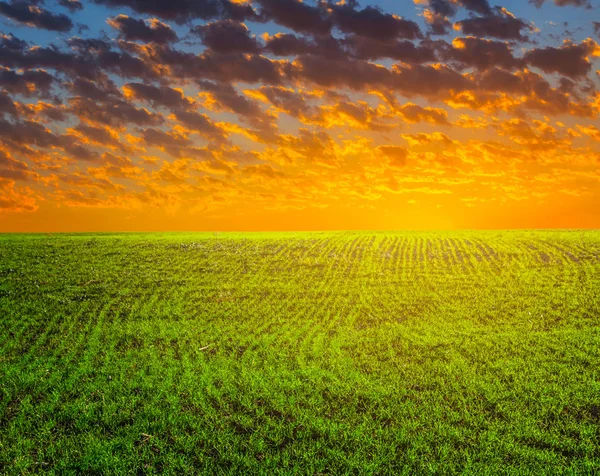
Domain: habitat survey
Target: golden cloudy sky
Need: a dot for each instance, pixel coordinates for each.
(293, 115)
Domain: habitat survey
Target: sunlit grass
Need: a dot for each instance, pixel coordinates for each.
(389, 353)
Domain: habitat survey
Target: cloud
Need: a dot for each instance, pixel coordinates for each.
(297, 15)
(439, 24)
(372, 23)
(182, 11)
(570, 60)
(7, 106)
(449, 8)
(400, 50)
(515, 93)
(227, 68)
(289, 104)
(88, 58)
(263, 170)
(27, 83)
(287, 44)
(158, 96)
(175, 101)
(151, 30)
(42, 111)
(13, 169)
(285, 100)
(30, 14)
(158, 138)
(501, 24)
(563, 3)
(72, 5)
(97, 135)
(100, 90)
(227, 36)
(414, 113)
(16, 199)
(28, 132)
(479, 53)
(113, 112)
(397, 156)
(224, 97)
(200, 123)
(478, 6)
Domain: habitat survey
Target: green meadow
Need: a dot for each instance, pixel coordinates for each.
(300, 353)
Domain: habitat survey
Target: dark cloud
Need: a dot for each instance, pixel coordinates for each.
(31, 133)
(182, 108)
(227, 36)
(100, 90)
(497, 79)
(72, 5)
(29, 13)
(501, 24)
(596, 26)
(47, 111)
(142, 30)
(7, 106)
(445, 8)
(569, 60)
(431, 81)
(79, 152)
(411, 80)
(288, 101)
(235, 67)
(15, 53)
(538, 93)
(93, 58)
(286, 44)
(371, 22)
(239, 12)
(297, 15)
(27, 83)
(449, 8)
(174, 143)
(228, 98)
(157, 96)
(353, 74)
(399, 50)
(478, 6)
(95, 53)
(415, 113)
(564, 3)
(12, 43)
(13, 169)
(438, 23)
(479, 53)
(198, 122)
(113, 112)
(182, 11)
(97, 135)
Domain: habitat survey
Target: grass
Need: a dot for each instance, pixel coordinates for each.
(308, 353)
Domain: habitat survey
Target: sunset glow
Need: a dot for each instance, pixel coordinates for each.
(290, 115)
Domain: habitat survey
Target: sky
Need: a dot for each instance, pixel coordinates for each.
(219, 115)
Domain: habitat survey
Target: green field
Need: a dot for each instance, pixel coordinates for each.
(305, 353)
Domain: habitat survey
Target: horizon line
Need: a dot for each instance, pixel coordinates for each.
(340, 230)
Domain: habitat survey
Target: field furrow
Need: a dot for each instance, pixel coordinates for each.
(308, 353)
